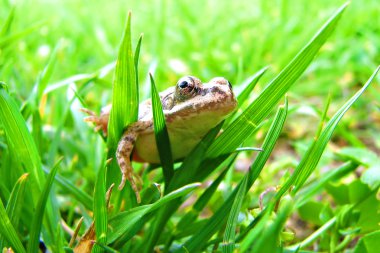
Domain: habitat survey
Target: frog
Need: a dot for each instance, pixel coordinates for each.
(191, 108)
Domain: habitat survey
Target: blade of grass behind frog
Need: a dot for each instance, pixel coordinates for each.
(161, 134)
(197, 241)
(228, 245)
(15, 205)
(8, 231)
(78, 194)
(249, 85)
(100, 209)
(7, 24)
(244, 125)
(312, 156)
(34, 237)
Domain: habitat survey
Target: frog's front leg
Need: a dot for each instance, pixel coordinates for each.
(124, 151)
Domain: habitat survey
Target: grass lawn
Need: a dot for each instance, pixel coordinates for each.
(304, 75)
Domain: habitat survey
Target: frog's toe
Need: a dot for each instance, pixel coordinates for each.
(89, 112)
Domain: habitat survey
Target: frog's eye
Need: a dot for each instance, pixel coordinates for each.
(185, 82)
(186, 88)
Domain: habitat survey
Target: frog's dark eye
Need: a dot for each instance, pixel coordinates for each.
(187, 87)
(185, 83)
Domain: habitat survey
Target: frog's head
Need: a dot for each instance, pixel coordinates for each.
(190, 97)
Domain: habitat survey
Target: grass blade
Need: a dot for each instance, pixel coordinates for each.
(8, 231)
(229, 234)
(244, 125)
(125, 97)
(123, 222)
(313, 154)
(250, 85)
(100, 209)
(40, 210)
(198, 241)
(7, 24)
(16, 200)
(161, 134)
(125, 103)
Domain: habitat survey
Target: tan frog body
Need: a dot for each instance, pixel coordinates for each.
(191, 109)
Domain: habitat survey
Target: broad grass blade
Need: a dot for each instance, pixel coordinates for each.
(161, 134)
(312, 156)
(197, 241)
(34, 239)
(245, 124)
(100, 209)
(229, 234)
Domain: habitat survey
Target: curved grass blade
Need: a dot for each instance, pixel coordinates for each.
(9, 39)
(123, 222)
(16, 200)
(100, 209)
(250, 85)
(229, 234)
(244, 125)
(265, 238)
(197, 242)
(8, 231)
(306, 193)
(161, 134)
(7, 24)
(312, 156)
(201, 202)
(40, 210)
(26, 158)
(78, 194)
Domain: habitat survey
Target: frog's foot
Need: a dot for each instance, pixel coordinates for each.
(101, 122)
(123, 155)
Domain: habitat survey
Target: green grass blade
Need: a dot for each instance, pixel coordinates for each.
(78, 194)
(228, 245)
(196, 242)
(250, 85)
(161, 134)
(26, 157)
(125, 97)
(245, 124)
(123, 222)
(265, 238)
(313, 154)
(34, 239)
(187, 171)
(8, 232)
(16, 200)
(9, 39)
(307, 193)
(7, 24)
(201, 202)
(100, 209)
(20, 141)
(125, 103)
